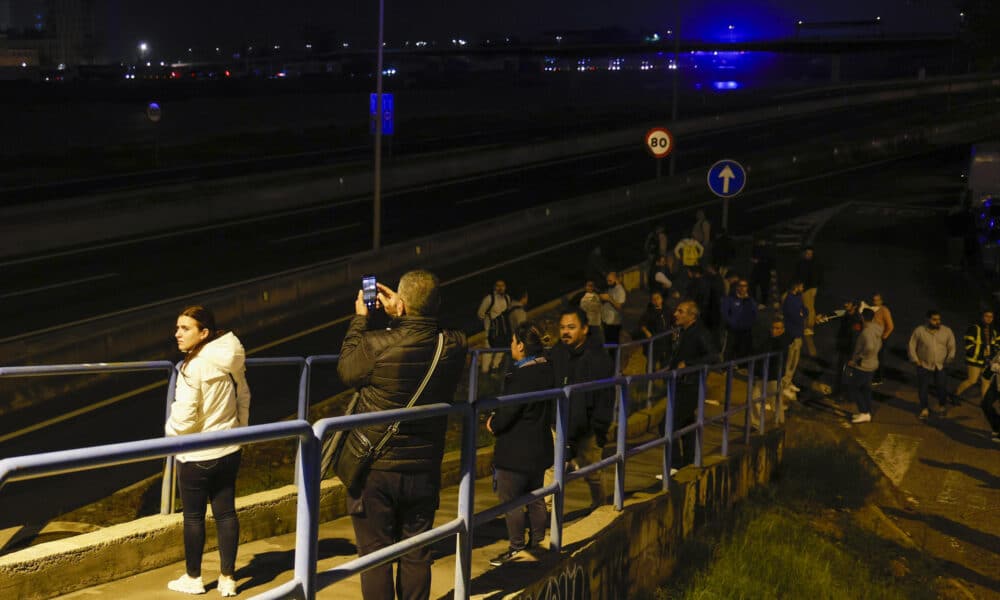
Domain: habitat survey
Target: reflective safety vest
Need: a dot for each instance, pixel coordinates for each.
(978, 349)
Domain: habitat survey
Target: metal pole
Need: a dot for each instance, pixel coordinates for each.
(466, 505)
(558, 499)
(677, 67)
(725, 410)
(748, 423)
(700, 430)
(668, 429)
(377, 205)
(725, 214)
(307, 476)
(167, 485)
(620, 446)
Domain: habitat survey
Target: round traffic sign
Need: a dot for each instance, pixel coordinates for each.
(153, 112)
(659, 142)
(727, 178)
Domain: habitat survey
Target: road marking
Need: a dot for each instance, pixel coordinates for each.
(83, 411)
(175, 233)
(313, 233)
(487, 196)
(59, 285)
(894, 455)
(949, 493)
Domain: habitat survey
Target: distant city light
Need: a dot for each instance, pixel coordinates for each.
(216, 49)
(190, 50)
(420, 44)
(878, 18)
(61, 67)
(149, 64)
(731, 27)
(800, 22)
(276, 47)
(345, 45)
(24, 65)
(725, 85)
(559, 38)
(143, 46)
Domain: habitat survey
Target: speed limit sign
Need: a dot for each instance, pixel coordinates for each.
(659, 142)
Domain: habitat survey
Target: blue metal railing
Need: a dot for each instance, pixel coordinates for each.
(308, 463)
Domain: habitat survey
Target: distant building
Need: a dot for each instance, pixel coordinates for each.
(72, 26)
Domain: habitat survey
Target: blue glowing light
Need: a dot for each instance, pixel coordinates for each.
(725, 85)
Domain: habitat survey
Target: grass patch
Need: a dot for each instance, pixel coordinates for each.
(799, 538)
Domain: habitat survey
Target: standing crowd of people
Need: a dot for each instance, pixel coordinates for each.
(694, 291)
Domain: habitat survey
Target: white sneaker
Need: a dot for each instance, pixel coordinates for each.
(227, 586)
(862, 418)
(187, 585)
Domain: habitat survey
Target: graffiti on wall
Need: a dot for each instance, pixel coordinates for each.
(570, 584)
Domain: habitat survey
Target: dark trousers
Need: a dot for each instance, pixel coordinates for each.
(739, 343)
(926, 377)
(859, 388)
(840, 371)
(393, 507)
(987, 405)
(511, 485)
(881, 361)
(612, 333)
(685, 413)
(212, 481)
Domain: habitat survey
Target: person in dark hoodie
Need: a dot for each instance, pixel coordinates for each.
(577, 359)
(739, 311)
(524, 440)
(693, 346)
(777, 341)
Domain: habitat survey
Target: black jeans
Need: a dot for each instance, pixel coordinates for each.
(685, 413)
(511, 485)
(210, 481)
(926, 377)
(739, 344)
(393, 507)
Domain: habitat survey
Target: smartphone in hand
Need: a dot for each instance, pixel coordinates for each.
(369, 291)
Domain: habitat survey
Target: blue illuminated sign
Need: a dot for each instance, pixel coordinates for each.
(726, 178)
(387, 110)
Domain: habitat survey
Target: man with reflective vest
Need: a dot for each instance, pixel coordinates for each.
(982, 341)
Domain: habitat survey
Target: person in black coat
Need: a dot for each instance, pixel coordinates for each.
(577, 359)
(524, 440)
(693, 346)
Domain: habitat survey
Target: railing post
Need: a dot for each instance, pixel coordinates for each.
(618, 360)
(559, 465)
(725, 410)
(779, 400)
(668, 429)
(167, 485)
(763, 395)
(307, 512)
(699, 431)
(748, 423)
(473, 376)
(650, 366)
(623, 399)
(466, 503)
(305, 375)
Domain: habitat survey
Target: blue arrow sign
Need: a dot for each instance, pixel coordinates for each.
(726, 178)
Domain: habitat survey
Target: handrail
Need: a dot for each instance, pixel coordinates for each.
(308, 462)
(64, 461)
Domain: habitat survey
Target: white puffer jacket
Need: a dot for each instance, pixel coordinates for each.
(205, 398)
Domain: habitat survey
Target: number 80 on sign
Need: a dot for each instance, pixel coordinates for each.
(659, 142)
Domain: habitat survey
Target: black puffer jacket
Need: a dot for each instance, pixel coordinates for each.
(386, 366)
(591, 411)
(524, 431)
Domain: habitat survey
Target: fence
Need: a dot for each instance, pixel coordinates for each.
(307, 581)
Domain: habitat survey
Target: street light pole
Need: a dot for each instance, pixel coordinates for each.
(377, 208)
(677, 67)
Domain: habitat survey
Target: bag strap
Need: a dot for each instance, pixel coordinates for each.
(416, 395)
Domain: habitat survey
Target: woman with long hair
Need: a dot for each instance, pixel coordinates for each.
(211, 395)
(524, 440)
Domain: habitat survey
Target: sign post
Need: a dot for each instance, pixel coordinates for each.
(154, 113)
(726, 179)
(660, 144)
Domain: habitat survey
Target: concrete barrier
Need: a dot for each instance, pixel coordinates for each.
(631, 553)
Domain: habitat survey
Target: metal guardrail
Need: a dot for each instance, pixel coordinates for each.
(308, 464)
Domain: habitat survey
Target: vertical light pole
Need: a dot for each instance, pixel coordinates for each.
(377, 205)
(677, 67)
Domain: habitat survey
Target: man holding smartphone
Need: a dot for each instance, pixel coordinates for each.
(400, 493)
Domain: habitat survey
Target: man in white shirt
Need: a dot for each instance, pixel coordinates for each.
(931, 346)
(613, 301)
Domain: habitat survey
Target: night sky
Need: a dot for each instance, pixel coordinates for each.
(173, 25)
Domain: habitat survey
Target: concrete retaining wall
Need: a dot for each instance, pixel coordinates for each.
(634, 551)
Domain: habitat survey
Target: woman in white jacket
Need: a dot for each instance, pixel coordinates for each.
(211, 395)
